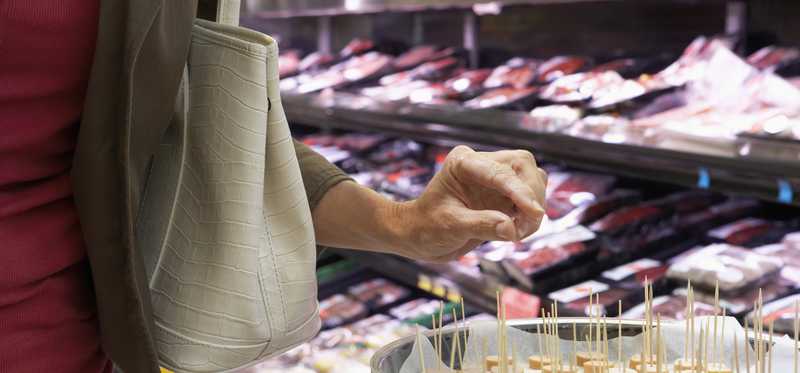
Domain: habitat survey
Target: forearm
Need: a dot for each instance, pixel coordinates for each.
(351, 216)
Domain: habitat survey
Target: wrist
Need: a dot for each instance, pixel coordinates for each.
(401, 226)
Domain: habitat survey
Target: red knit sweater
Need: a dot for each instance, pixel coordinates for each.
(48, 318)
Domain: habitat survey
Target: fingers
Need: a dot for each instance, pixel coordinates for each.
(485, 225)
(500, 176)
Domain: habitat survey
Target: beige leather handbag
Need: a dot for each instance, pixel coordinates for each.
(227, 234)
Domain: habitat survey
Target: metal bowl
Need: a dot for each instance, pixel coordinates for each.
(391, 357)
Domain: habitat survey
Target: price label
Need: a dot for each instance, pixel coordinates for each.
(424, 283)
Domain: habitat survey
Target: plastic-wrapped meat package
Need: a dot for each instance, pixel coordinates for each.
(416, 309)
(288, 63)
(557, 67)
(548, 253)
(394, 92)
(792, 240)
(580, 87)
(358, 142)
(355, 69)
(339, 310)
(396, 150)
(502, 97)
(614, 92)
(574, 300)
(780, 313)
(315, 61)
(435, 93)
(772, 58)
(468, 83)
(407, 183)
(575, 189)
(738, 305)
(633, 275)
(379, 330)
(434, 70)
(750, 232)
(517, 73)
(552, 118)
(356, 47)
(628, 219)
(378, 293)
(670, 307)
(735, 268)
(687, 68)
(418, 55)
(723, 213)
(589, 212)
(789, 253)
(492, 254)
(609, 129)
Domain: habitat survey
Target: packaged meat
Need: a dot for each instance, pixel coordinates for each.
(394, 92)
(395, 151)
(557, 67)
(789, 253)
(743, 232)
(549, 253)
(288, 63)
(573, 190)
(516, 73)
(780, 313)
(574, 300)
(315, 61)
(356, 47)
(378, 293)
(434, 70)
(723, 213)
(419, 55)
(339, 310)
(354, 70)
(580, 87)
(552, 118)
(628, 219)
(587, 213)
(633, 274)
(435, 93)
(734, 268)
(519, 304)
(501, 97)
(407, 183)
(468, 83)
(772, 57)
(738, 305)
(670, 307)
(416, 309)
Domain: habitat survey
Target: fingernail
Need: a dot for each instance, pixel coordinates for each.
(506, 230)
(539, 206)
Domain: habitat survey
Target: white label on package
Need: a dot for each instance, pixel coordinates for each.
(575, 234)
(726, 230)
(579, 291)
(625, 270)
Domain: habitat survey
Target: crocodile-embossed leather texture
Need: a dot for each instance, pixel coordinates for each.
(233, 281)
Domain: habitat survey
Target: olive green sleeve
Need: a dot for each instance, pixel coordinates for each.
(318, 174)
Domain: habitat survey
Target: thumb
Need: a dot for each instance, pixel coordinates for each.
(486, 225)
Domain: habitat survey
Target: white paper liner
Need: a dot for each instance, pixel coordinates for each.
(672, 334)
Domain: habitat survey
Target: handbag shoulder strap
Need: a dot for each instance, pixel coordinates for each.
(222, 11)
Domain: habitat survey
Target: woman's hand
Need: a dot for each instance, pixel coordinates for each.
(476, 197)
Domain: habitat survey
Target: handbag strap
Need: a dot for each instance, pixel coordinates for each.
(222, 11)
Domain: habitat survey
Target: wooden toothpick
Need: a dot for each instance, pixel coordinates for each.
(619, 333)
(771, 324)
(746, 345)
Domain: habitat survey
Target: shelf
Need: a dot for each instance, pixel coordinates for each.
(765, 179)
(276, 9)
(271, 9)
